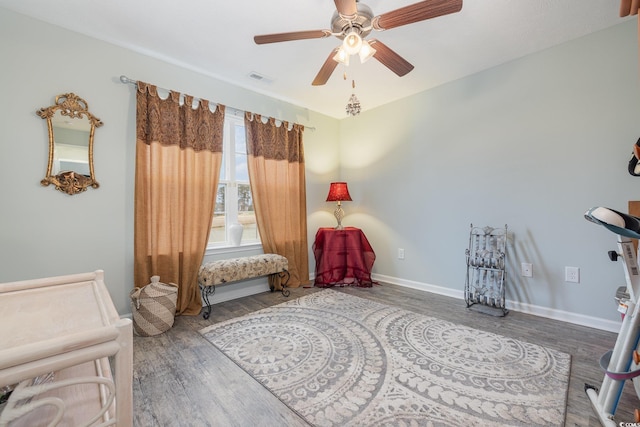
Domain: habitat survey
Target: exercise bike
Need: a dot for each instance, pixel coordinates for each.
(623, 362)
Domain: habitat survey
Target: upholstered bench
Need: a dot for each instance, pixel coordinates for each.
(236, 269)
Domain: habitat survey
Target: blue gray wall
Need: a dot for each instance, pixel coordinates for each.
(44, 232)
(533, 144)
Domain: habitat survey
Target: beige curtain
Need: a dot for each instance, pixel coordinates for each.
(277, 178)
(178, 157)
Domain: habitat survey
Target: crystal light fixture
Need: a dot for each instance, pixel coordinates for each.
(353, 106)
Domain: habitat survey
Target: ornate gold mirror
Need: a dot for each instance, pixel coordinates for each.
(71, 129)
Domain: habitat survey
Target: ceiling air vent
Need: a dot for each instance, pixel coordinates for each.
(260, 77)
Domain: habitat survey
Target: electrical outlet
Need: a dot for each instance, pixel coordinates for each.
(572, 274)
(527, 269)
(400, 253)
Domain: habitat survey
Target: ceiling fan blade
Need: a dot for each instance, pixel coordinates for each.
(390, 59)
(416, 12)
(287, 37)
(346, 8)
(326, 70)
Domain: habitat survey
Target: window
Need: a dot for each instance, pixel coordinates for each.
(234, 203)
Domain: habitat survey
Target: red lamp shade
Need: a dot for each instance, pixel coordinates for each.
(338, 192)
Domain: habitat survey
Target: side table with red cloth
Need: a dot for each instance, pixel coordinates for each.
(343, 257)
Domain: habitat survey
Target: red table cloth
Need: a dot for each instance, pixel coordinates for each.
(343, 257)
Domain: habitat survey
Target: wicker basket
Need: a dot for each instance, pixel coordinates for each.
(153, 307)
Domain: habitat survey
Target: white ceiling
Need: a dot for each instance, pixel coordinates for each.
(216, 38)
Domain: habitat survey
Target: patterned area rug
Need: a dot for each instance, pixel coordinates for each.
(341, 360)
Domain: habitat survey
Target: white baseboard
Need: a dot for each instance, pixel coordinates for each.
(231, 291)
(256, 286)
(453, 293)
(549, 313)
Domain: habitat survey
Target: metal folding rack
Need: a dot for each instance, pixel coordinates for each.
(486, 268)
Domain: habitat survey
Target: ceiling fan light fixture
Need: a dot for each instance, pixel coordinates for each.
(353, 21)
(366, 52)
(341, 56)
(352, 42)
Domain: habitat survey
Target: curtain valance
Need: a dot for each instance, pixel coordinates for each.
(273, 141)
(168, 122)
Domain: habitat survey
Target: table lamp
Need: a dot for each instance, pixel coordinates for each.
(338, 192)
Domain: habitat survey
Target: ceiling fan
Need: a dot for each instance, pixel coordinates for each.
(353, 21)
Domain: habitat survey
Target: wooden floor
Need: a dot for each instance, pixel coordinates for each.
(180, 379)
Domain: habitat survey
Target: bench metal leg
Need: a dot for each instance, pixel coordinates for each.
(282, 275)
(207, 291)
